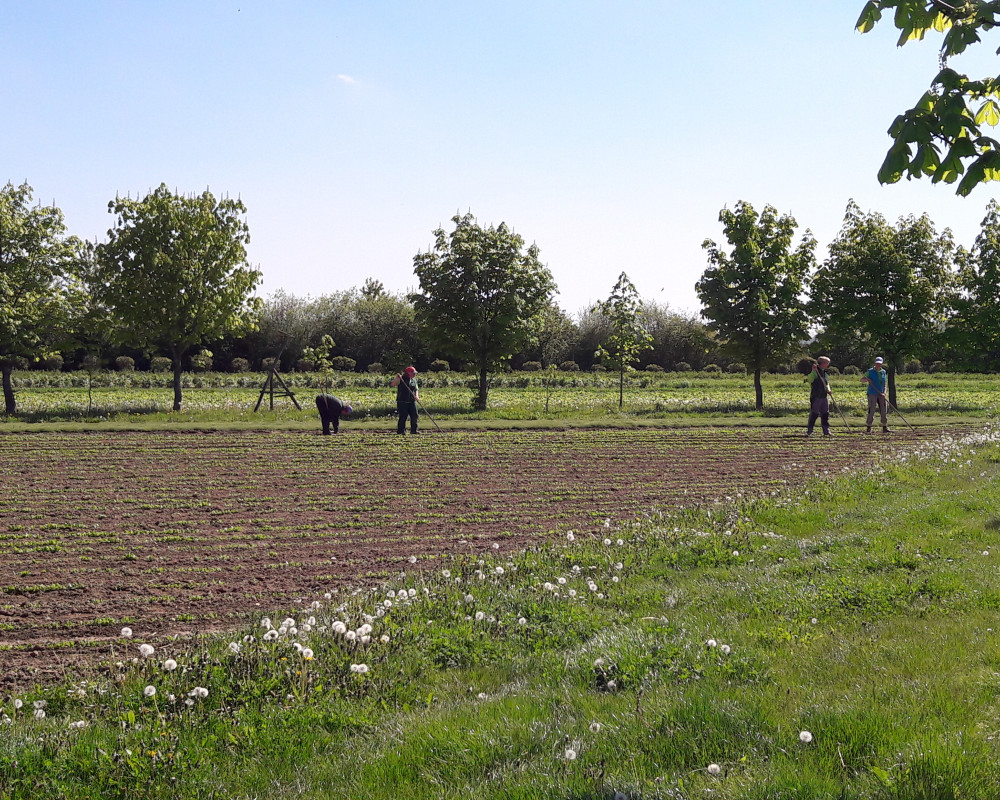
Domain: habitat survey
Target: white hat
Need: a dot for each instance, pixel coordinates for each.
(878, 360)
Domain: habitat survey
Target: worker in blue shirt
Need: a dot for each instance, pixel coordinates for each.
(876, 379)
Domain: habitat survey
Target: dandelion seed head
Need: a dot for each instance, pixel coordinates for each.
(127, 633)
(607, 542)
(384, 638)
(234, 647)
(307, 654)
(39, 713)
(570, 754)
(725, 649)
(18, 702)
(805, 737)
(149, 691)
(146, 650)
(595, 727)
(714, 769)
(711, 643)
(522, 621)
(499, 570)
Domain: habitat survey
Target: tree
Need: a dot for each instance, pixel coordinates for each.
(752, 297)
(628, 338)
(676, 337)
(942, 135)
(975, 327)
(37, 268)
(479, 294)
(173, 273)
(885, 286)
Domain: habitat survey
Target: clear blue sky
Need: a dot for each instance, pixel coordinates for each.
(611, 134)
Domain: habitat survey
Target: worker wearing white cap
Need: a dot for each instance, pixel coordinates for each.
(876, 379)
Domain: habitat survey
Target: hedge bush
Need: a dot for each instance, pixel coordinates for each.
(125, 364)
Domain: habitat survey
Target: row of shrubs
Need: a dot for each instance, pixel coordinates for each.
(203, 362)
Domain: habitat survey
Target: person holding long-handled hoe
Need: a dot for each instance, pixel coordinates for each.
(407, 395)
(819, 396)
(877, 378)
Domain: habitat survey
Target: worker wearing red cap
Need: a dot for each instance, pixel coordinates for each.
(407, 393)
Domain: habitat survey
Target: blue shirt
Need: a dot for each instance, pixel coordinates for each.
(876, 381)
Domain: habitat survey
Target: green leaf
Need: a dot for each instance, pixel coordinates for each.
(988, 114)
(870, 14)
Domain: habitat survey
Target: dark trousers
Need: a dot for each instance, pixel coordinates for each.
(329, 414)
(406, 410)
(820, 410)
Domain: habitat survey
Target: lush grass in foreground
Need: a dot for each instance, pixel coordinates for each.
(840, 643)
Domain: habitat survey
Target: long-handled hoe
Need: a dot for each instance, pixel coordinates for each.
(908, 425)
(840, 411)
(417, 400)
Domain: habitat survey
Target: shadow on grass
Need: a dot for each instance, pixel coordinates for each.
(96, 414)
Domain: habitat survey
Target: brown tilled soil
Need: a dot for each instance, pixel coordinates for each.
(174, 532)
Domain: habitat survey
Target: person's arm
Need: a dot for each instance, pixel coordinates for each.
(394, 382)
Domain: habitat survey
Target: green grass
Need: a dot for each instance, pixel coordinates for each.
(227, 401)
(862, 609)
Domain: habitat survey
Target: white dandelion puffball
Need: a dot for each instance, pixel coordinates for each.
(561, 581)
(307, 653)
(522, 621)
(470, 599)
(200, 691)
(149, 691)
(725, 648)
(619, 542)
(80, 724)
(570, 754)
(339, 628)
(146, 650)
(18, 702)
(39, 713)
(288, 623)
(480, 616)
(607, 542)
(569, 538)
(805, 737)
(499, 570)
(711, 643)
(548, 586)
(271, 635)
(387, 603)
(384, 638)
(446, 573)
(412, 559)
(595, 727)
(390, 594)
(714, 769)
(40, 703)
(265, 623)
(234, 647)
(814, 621)
(350, 636)
(495, 546)
(127, 633)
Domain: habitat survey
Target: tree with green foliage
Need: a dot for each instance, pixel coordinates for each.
(173, 273)
(885, 286)
(752, 296)
(974, 329)
(942, 135)
(480, 292)
(38, 290)
(628, 338)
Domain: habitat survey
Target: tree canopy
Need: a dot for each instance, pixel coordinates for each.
(752, 296)
(37, 263)
(975, 327)
(888, 286)
(942, 136)
(174, 274)
(480, 291)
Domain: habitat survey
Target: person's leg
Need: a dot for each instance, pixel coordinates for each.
(401, 412)
(813, 416)
(872, 405)
(413, 418)
(883, 410)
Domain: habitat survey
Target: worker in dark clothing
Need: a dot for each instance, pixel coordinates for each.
(407, 393)
(331, 409)
(819, 396)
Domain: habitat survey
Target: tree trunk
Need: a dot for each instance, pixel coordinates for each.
(10, 404)
(484, 389)
(758, 389)
(177, 381)
(621, 388)
(891, 384)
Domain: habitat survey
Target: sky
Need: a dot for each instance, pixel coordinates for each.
(609, 134)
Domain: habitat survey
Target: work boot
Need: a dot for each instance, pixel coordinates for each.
(868, 429)
(885, 429)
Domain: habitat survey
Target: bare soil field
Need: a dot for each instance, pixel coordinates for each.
(190, 531)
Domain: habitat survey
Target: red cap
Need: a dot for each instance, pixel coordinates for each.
(410, 371)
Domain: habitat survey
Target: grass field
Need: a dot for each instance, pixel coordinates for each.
(223, 399)
(837, 639)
